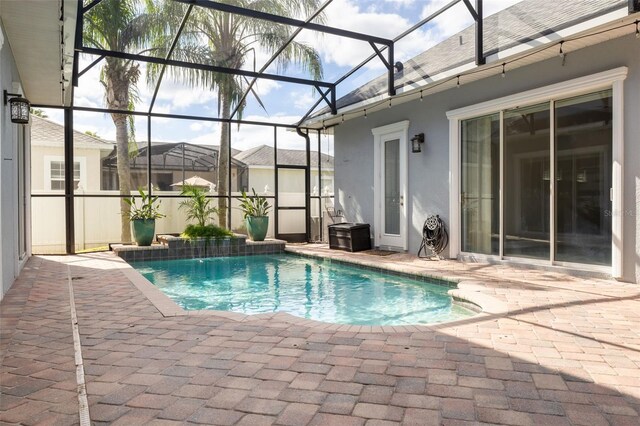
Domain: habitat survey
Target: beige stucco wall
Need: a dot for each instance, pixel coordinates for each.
(89, 159)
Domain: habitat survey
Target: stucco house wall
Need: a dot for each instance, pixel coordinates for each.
(10, 261)
(428, 182)
(89, 159)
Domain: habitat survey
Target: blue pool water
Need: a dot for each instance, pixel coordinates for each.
(308, 288)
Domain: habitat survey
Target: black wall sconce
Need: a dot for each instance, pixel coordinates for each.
(19, 106)
(416, 142)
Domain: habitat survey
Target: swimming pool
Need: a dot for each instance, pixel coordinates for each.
(308, 288)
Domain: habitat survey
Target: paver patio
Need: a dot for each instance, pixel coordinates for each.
(560, 350)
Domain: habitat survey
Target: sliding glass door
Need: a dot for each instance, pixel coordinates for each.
(549, 167)
(526, 171)
(481, 184)
(584, 141)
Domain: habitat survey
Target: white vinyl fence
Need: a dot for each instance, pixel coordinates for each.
(97, 219)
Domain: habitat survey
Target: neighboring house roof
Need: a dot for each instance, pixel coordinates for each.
(171, 156)
(143, 145)
(514, 26)
(47, 132)
(168, 155)
(263, 156)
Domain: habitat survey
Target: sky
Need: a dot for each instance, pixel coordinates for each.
(284, 102)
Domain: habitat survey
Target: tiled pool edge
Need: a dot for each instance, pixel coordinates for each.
(434, 279)
(463, 291)
(168, 308)
(171, 247)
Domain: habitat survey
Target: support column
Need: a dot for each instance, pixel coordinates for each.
(480, 59)
(68, 182)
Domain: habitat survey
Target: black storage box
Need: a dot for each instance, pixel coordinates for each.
(350, 236)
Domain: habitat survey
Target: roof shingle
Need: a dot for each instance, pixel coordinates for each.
(518, 24)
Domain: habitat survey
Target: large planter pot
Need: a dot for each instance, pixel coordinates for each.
(143, 231)
(257, 227)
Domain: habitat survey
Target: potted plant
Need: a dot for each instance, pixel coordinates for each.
(255, 211)
(143, 217)
(199, 208)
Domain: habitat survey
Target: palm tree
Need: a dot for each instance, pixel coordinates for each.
(222, 39)
(121, 25)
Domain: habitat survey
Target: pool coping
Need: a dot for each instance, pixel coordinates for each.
(467, 292)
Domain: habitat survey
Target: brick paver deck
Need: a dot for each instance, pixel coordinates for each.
(562, 350)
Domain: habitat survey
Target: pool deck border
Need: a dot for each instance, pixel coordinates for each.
(464, 294)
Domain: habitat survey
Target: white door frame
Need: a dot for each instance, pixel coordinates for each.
(400, 131)
(611, 79)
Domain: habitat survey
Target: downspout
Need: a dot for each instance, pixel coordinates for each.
(307, 184)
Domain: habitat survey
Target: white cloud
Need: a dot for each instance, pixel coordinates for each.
(90, 92)
(249, 136)
(403, 3)
(54, 114)
(176, 96)
(264, 87)
(349, 15)
(302, 99)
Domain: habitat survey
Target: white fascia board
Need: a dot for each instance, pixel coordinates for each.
(400, 126)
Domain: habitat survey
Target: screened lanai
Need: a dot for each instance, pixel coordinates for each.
(188, 99)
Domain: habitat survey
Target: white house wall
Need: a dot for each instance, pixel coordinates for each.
(41, 155)
(428, 171)
(9, 263)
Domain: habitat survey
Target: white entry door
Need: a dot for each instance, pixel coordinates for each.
(390, 186)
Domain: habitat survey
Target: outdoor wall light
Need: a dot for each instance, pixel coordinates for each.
(19, 107)
(416, 142)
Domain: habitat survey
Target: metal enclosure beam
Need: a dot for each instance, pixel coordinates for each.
(250, 13)
(480, 58)
(78, 43)
(236, 10)
(88, 67)
(174, 43)
(176, 116)
(477, 15)
(391, 88)
(277, 53)
(89, 6)
(367, 60)
(202, 67)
